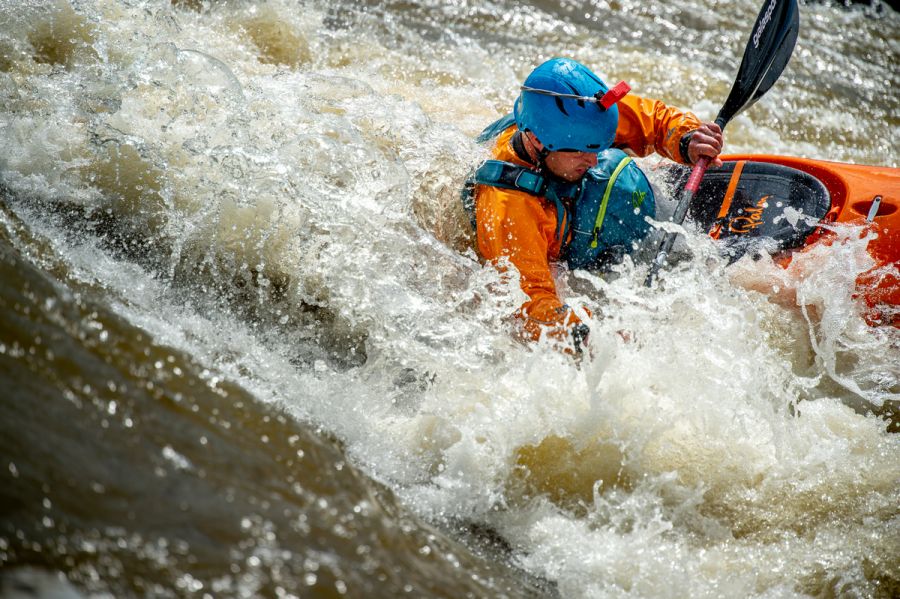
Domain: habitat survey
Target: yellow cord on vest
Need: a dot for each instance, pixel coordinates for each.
(601, 214)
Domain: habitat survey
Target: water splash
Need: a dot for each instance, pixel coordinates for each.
(274, 193)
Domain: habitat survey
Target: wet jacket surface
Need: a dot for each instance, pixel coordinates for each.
(517, 226)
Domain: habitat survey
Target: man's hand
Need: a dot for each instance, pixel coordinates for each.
(705, 141)
(580, 334)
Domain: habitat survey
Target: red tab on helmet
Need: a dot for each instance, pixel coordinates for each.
(616, 93)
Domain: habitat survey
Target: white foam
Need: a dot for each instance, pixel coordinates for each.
(700, 451)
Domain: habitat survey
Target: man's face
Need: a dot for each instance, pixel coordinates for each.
(571, 166)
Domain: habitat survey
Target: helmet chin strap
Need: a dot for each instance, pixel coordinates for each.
(542, 151)
(542, 160)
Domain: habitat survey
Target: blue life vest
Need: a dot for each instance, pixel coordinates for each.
(610, 203)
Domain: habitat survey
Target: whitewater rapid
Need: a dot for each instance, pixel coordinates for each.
(271, 189)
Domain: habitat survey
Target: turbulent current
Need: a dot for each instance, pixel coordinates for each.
(247, 348)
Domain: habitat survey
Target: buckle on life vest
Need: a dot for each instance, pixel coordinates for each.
(529, 181)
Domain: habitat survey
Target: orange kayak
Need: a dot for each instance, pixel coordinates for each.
(779, 203)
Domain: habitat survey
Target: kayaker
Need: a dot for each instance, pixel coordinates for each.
(523, 202)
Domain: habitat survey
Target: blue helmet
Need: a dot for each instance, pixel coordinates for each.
(568, 107)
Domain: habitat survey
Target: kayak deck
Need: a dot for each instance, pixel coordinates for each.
(758, 202)
(853, 189)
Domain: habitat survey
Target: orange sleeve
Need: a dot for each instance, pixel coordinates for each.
(520, 227)
(647, 126)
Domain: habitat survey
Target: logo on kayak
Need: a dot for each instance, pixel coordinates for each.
(762, 24)
(750, 219)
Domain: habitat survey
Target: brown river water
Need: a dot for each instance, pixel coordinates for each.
(246, 349)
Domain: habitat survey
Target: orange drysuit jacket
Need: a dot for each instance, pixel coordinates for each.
(518, 226)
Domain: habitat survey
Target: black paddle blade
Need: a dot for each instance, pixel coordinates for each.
(782, 56)
(768, 51)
